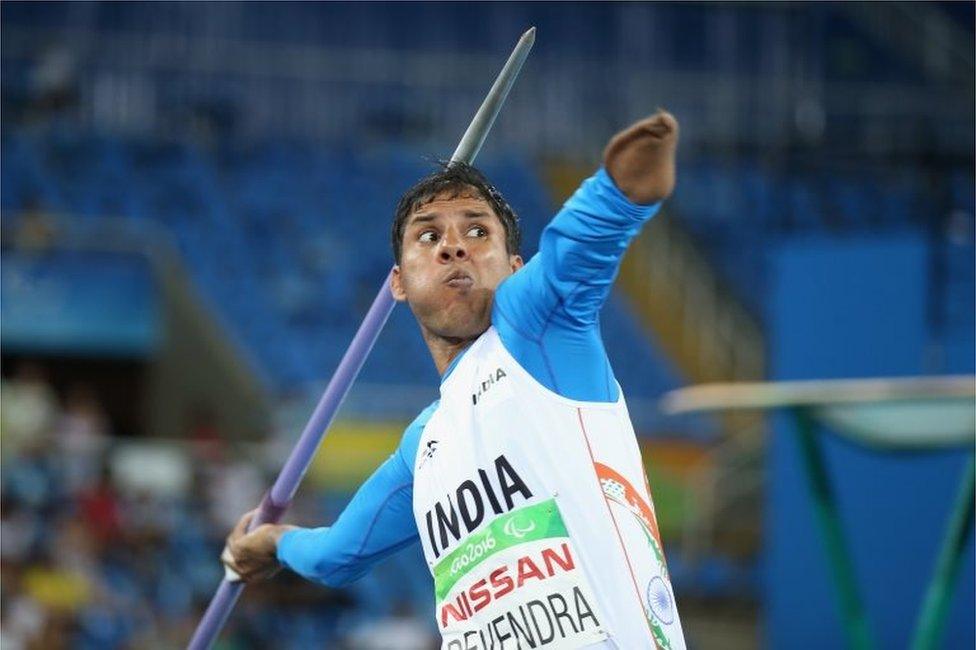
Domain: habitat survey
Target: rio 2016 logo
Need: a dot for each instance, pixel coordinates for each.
(518, 529)
(472, 553)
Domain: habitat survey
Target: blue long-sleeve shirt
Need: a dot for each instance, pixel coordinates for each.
(547, 316)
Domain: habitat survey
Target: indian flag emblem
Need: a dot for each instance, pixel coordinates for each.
(660, 601)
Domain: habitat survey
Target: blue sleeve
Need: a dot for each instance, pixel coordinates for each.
(548, 313)
(377, 522)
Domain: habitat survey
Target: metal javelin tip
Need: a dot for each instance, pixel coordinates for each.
(477, 131)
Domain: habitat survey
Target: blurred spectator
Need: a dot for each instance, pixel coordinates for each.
(53, 81)
(23, 618)
(99, 507)
(56, 587)
(82, 434)
(91, 558)
(28, 407)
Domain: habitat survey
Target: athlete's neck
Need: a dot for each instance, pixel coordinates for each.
(445, 349)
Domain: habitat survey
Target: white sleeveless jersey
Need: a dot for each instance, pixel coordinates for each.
(536, 518)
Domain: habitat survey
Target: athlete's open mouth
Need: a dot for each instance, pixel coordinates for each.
(459, 280)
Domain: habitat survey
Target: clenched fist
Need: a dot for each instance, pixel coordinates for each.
(253, 556)
(640, 159)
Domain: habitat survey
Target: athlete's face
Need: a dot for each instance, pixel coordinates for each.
(453, 258)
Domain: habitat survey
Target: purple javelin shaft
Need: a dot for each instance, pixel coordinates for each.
(279, 497)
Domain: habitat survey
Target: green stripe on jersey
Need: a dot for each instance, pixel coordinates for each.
(527, 524)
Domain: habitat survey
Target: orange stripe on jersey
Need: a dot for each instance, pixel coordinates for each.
(631, 496)
(616, 528)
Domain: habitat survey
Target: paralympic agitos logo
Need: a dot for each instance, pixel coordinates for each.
(469, 504)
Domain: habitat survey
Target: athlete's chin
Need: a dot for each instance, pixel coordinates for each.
(462, 328)
(455, 314)
(460, 321)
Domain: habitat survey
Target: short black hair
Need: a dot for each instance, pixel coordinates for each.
(455, 179)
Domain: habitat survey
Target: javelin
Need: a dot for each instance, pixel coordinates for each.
(279, 497)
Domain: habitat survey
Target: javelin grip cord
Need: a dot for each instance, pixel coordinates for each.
(277, 500)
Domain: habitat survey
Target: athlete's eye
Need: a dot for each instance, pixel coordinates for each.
(428, 237)
(477, 231)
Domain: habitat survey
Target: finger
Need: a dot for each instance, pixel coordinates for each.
(241, 528)
(266, 574)
(231, 573)
(241, 541)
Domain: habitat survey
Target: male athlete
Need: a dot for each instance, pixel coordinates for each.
(524, 481)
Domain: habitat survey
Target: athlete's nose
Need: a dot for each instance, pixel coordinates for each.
(452, 247)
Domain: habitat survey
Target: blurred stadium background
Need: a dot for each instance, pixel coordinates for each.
(195, 206)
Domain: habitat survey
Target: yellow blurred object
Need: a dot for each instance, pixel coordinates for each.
(351, 451)
(57, 589)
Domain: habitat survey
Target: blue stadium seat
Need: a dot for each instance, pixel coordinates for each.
(273, 233)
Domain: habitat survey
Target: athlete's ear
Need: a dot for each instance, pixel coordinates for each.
(516, 262)
(396, 285)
